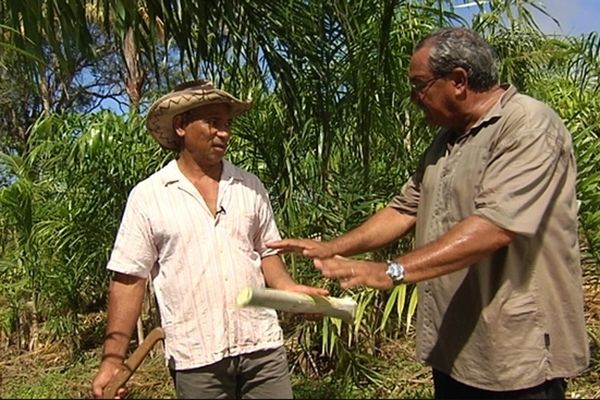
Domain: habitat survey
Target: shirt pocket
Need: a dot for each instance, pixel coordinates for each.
(244, 229)
(520, 317)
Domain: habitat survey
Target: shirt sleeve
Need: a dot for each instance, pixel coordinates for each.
(407, 201)
(522, 176)
(268, 231)
(134, 252)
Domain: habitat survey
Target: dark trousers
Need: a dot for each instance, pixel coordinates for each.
(262, 374)
(448, 388)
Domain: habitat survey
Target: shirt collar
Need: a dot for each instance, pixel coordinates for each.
(491, 116)
(172, 174)
(497, 109)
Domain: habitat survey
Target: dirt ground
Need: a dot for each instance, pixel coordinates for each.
(54, 372)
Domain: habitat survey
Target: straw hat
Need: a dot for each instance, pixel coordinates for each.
(183, 98)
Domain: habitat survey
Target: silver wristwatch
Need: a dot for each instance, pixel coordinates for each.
(395, 271)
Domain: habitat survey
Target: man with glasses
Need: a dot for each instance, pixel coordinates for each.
(494, 210)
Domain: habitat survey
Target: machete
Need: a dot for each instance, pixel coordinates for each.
(132, 363)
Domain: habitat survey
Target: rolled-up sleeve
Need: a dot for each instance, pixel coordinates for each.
(268, 231)
(518, 185)
(134, 252)
(407, 201)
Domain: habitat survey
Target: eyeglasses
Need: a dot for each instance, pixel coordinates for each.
(420, 86)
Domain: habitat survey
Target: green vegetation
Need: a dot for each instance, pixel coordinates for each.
(333, 136)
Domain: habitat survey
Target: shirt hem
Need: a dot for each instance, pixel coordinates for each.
(224, 354)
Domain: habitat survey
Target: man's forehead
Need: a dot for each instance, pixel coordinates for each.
(419, 63)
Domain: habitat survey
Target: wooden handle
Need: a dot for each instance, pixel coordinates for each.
(132, 363)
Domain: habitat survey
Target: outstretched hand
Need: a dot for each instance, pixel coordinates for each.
(353, 273)
(307, 247)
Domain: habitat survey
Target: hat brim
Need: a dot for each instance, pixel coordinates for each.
(160, 115)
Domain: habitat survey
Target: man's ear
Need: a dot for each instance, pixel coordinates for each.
(178, 125)
(460, 79)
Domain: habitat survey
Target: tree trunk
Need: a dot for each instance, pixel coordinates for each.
(135, 75)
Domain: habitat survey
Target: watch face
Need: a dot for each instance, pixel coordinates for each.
(391, 271)
(395, 271)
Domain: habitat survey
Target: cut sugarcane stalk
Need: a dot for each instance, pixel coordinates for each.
(337, 307)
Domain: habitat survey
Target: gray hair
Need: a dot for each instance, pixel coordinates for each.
(460, 47)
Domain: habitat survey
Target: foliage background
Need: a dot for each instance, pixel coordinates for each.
(332, 135)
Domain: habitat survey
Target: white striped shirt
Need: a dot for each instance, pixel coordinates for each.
(199, 263)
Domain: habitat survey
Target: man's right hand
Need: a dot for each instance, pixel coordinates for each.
(108, 369)
(307, 247)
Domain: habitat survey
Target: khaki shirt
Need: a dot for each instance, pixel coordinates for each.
(514, 319)
(200, 263)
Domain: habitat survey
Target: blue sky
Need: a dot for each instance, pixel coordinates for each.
(575, 16)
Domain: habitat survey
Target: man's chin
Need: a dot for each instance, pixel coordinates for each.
(219, 151)
(430, 121)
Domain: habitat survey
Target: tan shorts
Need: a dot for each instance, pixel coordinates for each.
(262, 374)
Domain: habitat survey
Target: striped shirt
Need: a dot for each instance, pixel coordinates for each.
(199, 263)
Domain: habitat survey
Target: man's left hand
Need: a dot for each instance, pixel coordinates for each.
(309, 290)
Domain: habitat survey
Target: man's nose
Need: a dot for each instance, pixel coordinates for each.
(223, 131)
(415, 97)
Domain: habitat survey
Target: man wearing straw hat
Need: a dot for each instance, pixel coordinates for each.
(199, 226)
